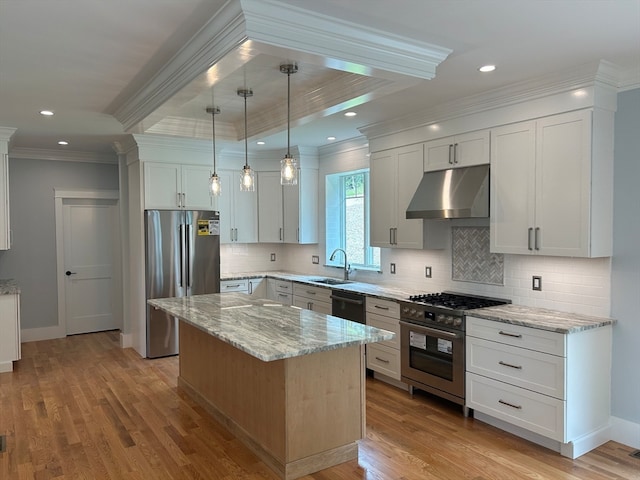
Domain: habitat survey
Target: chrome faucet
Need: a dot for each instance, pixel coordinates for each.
(346, 265)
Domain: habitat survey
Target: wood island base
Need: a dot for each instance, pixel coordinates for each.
(299, 415)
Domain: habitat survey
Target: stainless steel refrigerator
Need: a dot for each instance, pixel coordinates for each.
(182, 258)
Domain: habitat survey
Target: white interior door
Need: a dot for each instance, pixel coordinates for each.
(90, 235)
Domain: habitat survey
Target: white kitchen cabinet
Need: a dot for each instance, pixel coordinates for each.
(234, 286)
(462, 150)
(313, 298)
(270, 208)
(384, 357)
(543, 385)
(10, 350)
(5, 226)
(288, 214)
(301, 208)
(169, 186)
(238, 210)
(551, 186)
(280, 291)
(257, 287)
(394, 177)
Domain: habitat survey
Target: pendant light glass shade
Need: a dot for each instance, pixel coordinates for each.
(247, 177)
(288, 165)
(215, 187)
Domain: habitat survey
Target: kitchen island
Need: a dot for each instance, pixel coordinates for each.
(287, 382)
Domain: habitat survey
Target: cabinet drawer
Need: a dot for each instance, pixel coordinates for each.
(516, 335)
(532, 411)
(284, 286)
(540, 372)
(386, 323)
(383, 307)
(312, 293)
(384, 360)
(284, 298)
(234, 286)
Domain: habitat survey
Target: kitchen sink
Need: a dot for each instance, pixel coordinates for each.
(330, 281)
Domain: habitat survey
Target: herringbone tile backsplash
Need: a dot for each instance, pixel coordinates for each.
(471, 259)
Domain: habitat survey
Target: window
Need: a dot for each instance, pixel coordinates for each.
(347, 220)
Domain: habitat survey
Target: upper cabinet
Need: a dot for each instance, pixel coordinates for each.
(288, 214)
(457, 151)
(238, 210)
(394, 177)
(171, 186)
(551, 185)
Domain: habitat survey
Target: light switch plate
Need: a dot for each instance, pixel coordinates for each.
(315, 259)
(536, 283)
(273, 257)
(393, 269)
(427, 272)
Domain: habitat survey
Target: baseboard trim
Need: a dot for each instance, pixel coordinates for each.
(126, 340)
(625, 432)
(44, 333)
(6, 367)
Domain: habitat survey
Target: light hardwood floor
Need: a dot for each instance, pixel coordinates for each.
(82, 408)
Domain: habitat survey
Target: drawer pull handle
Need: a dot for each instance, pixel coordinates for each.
(381, 308)
(232, 286)
(519, 367)
(514, 335)
(382, 360)
(310, 293)
(519, 407)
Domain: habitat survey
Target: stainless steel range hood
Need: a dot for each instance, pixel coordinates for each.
(454, 193)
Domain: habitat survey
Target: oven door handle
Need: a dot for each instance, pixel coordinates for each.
(434, 332)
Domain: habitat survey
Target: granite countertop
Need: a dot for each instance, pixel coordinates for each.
(8, 286)
(266, 329)
(541, 318)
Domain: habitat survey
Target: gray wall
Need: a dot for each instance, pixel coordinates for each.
(625, 264)
(32, 258)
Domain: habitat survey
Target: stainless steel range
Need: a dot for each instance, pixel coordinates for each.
(432, 331)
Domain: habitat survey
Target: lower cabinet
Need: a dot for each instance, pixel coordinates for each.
(10, 328)
(313, 298)
(280, 291)
(548, 386)
(384, 357)
(253, 286)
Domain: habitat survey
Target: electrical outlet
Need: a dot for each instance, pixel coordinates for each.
(427, 272)
(273, 257)
(315, 259)
(392, 269)
(536, 283)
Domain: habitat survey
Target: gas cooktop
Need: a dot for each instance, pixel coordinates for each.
(456, 301)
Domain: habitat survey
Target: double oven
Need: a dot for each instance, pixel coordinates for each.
(432, 342)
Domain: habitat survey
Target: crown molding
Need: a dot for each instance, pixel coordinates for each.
(352, 47)
(343, 146)
(600, 73)
(168, 142)
(224, 32)
(64, 156)
(6, 133)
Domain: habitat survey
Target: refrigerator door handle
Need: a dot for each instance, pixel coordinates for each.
(187, 258)
(182, 254)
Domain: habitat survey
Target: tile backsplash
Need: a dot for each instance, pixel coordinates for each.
(471, 260)
(580, 285)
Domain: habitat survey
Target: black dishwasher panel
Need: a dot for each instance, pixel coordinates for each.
(348, 305)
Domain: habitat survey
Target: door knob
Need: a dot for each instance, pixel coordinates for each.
(69, 272)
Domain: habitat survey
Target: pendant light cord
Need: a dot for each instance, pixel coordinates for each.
(213, 129)
(288, 114)
(246, 151)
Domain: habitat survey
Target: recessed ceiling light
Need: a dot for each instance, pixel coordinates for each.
(63, 142)
(46, 113)
(350, 114)
(331, 138)
(260, 142)
(487, 68)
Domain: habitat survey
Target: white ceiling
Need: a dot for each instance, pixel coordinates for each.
(87, 59)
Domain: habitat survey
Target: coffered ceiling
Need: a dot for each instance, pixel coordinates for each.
(111, 68)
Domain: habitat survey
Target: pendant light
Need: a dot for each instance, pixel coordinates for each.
(247, 178)
(215, 187)
(288, 165)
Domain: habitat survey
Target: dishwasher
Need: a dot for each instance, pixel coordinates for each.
(348, 305)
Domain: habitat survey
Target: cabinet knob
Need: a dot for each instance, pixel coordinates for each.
(68, 273)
